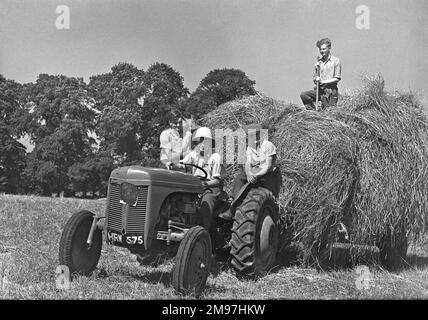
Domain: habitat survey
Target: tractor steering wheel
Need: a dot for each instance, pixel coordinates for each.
(198, 167)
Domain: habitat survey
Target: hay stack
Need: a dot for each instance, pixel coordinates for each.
(363, 163)
(250, 109)
(391, 200)
(317, 157)
(261, 109)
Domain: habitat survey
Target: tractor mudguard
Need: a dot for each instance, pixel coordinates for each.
(240, 196)
(271, 181)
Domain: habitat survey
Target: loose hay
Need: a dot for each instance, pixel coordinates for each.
(391, 200)
(260, 109)
(363, 163)
(317, 157)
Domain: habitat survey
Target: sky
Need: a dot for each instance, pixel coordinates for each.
(272, 41)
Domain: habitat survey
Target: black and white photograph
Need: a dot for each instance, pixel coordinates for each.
(227, 152)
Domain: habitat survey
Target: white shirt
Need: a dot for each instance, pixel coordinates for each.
(257, 157)
(172, 146)
(331, 68)
(212, 165)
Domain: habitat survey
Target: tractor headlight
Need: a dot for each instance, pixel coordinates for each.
(128, 193)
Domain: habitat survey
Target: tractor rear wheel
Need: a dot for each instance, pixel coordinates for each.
(74, 252)
(192, 262)
(255, 234)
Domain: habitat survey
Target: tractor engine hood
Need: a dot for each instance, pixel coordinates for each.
(157, 177)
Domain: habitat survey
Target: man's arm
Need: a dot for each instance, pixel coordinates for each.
(316, 75)
(267, 167)
(187, 159)
(330, 81)
(247, 166)
(217, 172)
(269, 150)
(186, 143)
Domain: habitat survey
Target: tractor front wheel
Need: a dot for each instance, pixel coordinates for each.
(255, 234)
(192, 262)
(74, 252)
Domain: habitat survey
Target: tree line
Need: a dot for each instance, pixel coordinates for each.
(82, 131)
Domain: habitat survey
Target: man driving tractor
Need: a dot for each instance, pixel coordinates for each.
(203, 157)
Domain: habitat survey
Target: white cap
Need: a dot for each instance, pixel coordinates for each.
(202, 132)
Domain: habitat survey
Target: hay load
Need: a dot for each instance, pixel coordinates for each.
(363, 163)
(317, 157)
(391, 199)
(261, 109)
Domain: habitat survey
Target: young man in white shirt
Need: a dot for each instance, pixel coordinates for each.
(328, 72)
(173, 147)
(203, 157)
(259, 168)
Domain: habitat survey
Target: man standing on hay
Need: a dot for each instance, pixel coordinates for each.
(327, 74)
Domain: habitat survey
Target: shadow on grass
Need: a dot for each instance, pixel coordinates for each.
(340, 257)
(152, 276)
(415, 261)
(220, 263)
(288, 256)
(156, 277)
(345, 257)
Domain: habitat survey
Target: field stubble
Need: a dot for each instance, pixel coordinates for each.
(30, 229)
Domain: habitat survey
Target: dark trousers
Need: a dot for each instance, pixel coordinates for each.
(327, 96)
(271, 181)
(208, 205)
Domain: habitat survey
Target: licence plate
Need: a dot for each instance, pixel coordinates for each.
(114, 237)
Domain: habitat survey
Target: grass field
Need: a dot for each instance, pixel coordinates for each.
(30, 229)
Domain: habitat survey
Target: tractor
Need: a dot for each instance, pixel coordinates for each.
(151, 211)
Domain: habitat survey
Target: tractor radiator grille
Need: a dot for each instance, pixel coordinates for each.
(137, 215)
(118, 212)
(114, 215)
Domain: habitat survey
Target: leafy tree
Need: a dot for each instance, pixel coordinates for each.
(55, 154)
(12, 162)
(12, 152)
(59, 121)
(116, 96)
(53, 99)
(162, 104)
(91, 175)
(217, 87)
(135, 107)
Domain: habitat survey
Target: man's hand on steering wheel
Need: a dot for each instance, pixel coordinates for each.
(197, 167)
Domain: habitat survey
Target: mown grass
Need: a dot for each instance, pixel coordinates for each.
(30, 229)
